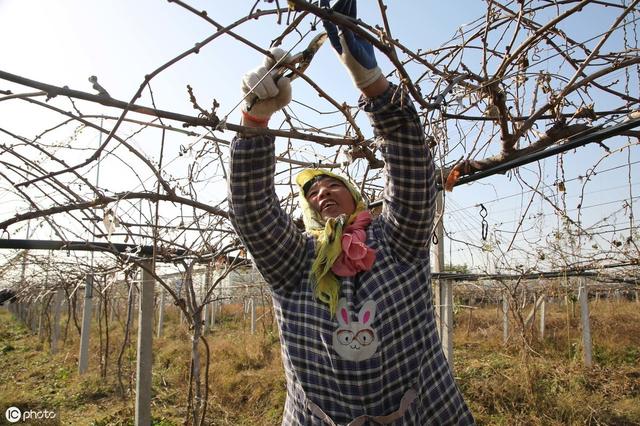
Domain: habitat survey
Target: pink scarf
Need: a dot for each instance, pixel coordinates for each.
(356, 256)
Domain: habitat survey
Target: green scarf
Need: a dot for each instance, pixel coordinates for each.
(328, 234)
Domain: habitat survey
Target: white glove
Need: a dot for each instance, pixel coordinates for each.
(261, 83)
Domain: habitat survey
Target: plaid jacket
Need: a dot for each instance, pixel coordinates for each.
(379, 361)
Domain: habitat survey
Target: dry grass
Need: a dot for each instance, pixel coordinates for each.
(504, 385)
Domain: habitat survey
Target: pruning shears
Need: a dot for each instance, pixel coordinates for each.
(300, 61)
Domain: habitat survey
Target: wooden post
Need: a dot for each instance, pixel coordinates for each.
(586, 326)
(505, 317)
(145, 340)
(83, 361)
(160, 313)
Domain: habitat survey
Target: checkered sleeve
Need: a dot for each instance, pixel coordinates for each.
(409, 194)
(267, 232)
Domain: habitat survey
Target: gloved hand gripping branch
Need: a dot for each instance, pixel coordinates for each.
(272, 91)
(356, 53)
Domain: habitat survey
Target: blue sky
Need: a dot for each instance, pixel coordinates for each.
(65, 42)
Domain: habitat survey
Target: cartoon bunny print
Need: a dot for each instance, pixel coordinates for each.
(355, 340)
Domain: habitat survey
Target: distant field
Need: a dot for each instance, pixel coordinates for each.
(539, 383)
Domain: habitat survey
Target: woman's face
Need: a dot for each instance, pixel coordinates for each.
(330, 198)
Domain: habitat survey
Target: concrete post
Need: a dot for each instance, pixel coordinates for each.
(83, 362)
(543, 313)
(444, 288)
(586, 326)
(252, 301)
(145, 341)
(212, 318)
(505, 317)
(55, 327)
(206, 310)
(160, 313)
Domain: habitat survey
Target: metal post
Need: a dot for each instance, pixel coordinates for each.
(586, 327)
(83, 362)
(145, 340)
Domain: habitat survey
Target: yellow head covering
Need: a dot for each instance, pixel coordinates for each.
(329, 236)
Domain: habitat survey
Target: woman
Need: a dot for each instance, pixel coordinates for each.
(352, 295)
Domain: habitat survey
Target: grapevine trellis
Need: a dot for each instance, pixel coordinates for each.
(526, 84)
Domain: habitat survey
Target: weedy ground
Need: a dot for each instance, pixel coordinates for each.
(527, 381)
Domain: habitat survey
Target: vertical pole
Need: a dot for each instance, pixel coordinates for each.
(252, 301)
(444, 291)
(83, 362)
(114, 307)
(35, 308)
(505, 317)
(145, 340)
(446, 296)
(586, 327)
(41, 322)
(55, 327)
(214, 308)
(543, 313)
(438, 260)
(209, 306)
(161, 313)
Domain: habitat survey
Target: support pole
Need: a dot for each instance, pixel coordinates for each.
(160, 313)
(145, 340)
(586, 326)
(83, 362)
(505, 317)
(206, 310)
(43, 308)
(55, 327)
(214, 309)
(444, 289)
(35, 314)
(543, 313)
(252, 301)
